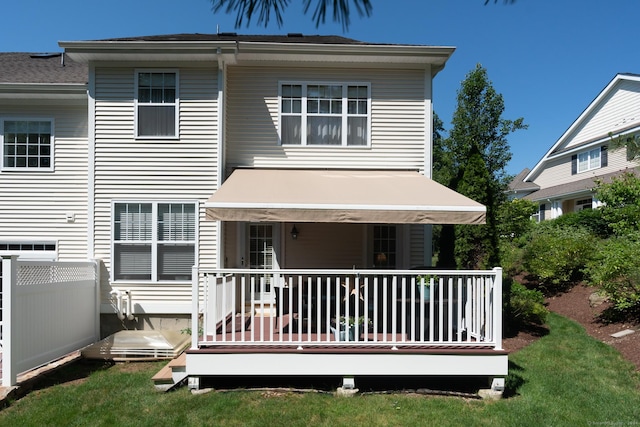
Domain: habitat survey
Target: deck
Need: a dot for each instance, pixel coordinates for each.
(344, 322)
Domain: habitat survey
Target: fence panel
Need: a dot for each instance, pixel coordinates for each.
(49, 310)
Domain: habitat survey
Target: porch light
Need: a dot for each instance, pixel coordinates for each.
(294, 233)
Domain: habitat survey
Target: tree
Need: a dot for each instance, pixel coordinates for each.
(478, 151)
(631, 142)
(621, 203)
(340, 9)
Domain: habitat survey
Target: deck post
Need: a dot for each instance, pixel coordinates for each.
(497, 308)
(195, 299)
(9, 278)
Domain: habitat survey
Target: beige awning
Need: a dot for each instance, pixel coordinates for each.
(396, 197)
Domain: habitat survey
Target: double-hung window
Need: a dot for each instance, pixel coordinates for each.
(589, 160)
(156, 104)
(27, 145)
(325, 114)
(154, 241)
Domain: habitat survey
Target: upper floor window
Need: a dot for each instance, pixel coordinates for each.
(325, 114)
(27, 144)
(154, 241)
(589, 160)
(156, 104)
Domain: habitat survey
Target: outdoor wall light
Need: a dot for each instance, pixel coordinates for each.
(294, 233)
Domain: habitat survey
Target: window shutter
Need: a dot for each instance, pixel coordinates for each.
(574, 164)
(543, 207)
(604, 156)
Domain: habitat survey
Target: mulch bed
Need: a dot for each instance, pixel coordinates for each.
(575, 305)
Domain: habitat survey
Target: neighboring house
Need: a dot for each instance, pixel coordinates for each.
(564, 179)
(304, 158)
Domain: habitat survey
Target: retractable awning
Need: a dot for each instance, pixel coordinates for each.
(353, 196)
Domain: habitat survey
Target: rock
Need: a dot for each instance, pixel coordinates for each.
(488, 394)
(596, 299)
(346, 392)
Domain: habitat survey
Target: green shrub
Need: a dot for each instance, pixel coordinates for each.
(621, 203)
(556, 256)
(526, 306)
(511, 255)
(589, 219)
(616, 271)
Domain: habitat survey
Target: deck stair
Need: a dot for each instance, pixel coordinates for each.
(172, 374)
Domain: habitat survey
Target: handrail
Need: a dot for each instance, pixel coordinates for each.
(310, 307)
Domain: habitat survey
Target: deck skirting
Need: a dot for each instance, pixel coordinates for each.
(324, 361)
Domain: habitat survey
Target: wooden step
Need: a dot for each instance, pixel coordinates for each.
(180, 361)
(171, 374)
(163, 376)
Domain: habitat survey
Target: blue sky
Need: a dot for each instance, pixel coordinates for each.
(548, 58)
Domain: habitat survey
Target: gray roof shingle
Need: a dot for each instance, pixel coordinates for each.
(583, 185)
(20, 67)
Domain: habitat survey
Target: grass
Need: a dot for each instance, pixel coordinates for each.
(565, 378)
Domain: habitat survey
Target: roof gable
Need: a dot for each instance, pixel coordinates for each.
(616, 109)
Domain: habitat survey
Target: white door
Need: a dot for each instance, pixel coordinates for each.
(262, 248)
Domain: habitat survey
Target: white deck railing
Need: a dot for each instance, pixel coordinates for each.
(49, 309)
(243, 307)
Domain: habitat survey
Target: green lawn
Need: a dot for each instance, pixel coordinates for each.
(565, 379)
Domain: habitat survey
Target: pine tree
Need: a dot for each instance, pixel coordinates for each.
(479, 151)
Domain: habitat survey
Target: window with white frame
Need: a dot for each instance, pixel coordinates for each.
(44, 250)
(539, 215)
(335, 114)
(156, 104)
(27, 144)
(583, 204)
(154, 241)
(589, 160)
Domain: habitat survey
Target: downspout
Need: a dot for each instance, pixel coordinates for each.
(428, 157)
(91, 171)
(220, 256)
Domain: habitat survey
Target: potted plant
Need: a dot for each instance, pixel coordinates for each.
(347, 326)
(424, 285)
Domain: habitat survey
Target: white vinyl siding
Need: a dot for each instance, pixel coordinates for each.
(150, 169)
(615, 112)
(398, 119)
(36, 204)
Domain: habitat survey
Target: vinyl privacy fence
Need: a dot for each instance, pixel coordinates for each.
(49, 309)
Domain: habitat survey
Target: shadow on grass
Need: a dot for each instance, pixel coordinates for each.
(514, 380)
(73, 372)
(452, 386)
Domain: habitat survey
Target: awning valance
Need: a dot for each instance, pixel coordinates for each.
(353, 196)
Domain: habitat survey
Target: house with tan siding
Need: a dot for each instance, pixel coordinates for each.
(564, 179)
(265, 192)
